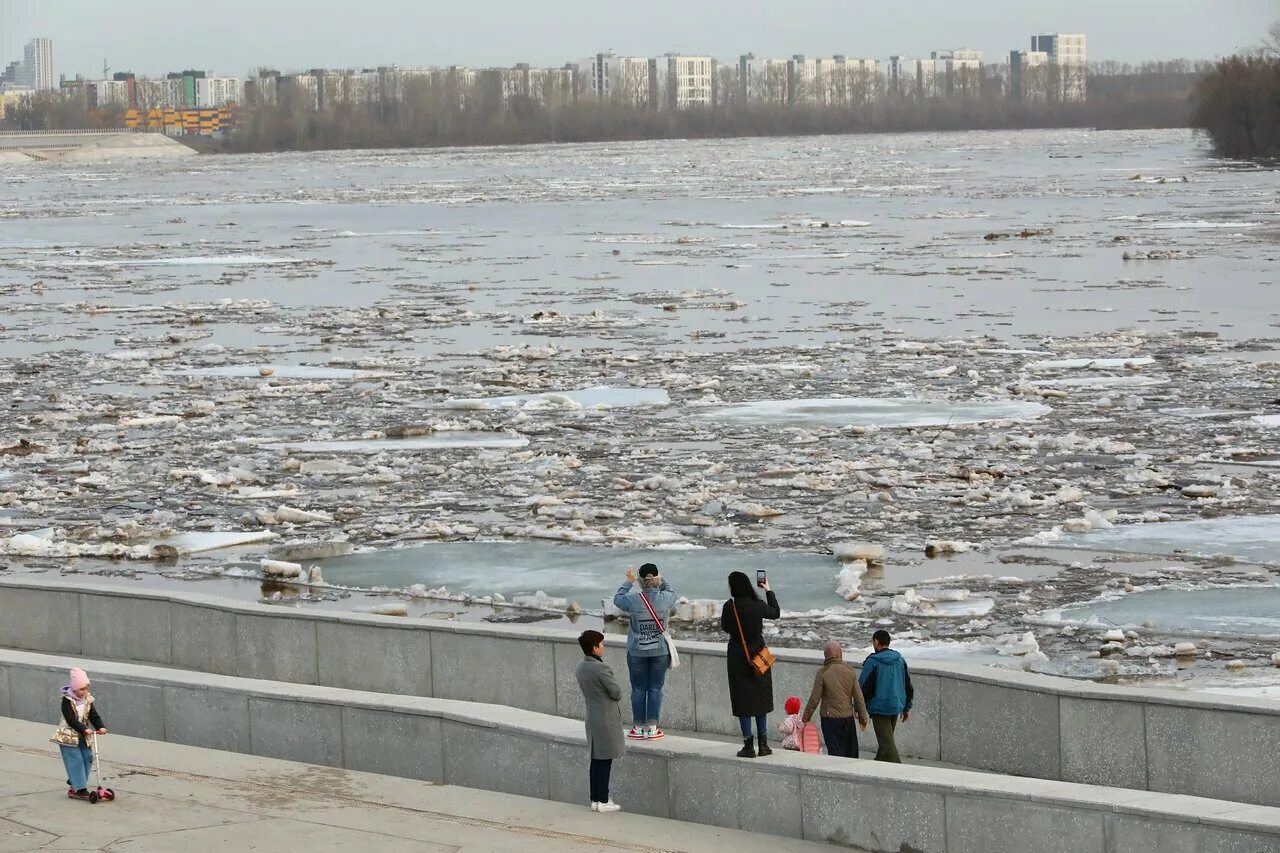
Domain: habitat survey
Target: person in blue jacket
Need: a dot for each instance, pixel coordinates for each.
(647, 656)
(886, 684)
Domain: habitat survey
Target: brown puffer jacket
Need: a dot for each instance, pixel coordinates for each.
(835, 687)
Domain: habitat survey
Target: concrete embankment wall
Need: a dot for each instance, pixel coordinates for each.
(862, 804)
(978, 717)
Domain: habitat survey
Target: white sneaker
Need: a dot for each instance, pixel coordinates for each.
(653, 733)
(610, 806)
(636, 732)
(595, 807)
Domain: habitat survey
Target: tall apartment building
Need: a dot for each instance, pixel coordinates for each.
(762, 80)
(678, 82)
(957, 73)
(37, 65)
(218, 91)
(160, 94)
(620, 79)
(910, 78)
(1029, 75)
(1068, 64)
(804, 80)
(849, 82)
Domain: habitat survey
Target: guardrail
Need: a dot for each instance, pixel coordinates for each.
(979, 717)
(862, 804)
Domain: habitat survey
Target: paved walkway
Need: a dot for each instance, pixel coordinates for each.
(183, 798)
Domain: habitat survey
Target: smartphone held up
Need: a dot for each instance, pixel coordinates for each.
(761, 580)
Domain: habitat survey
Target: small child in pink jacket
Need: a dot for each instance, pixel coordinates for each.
(793, 725)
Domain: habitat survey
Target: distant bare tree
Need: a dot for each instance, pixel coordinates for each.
(1271, 41)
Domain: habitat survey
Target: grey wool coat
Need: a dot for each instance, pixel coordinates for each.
(604, 713)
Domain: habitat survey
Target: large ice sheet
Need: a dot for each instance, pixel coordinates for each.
(196, 543)
(1255, 538)
(1229, 611)
(434, 441)
(584, 573)
(875, 411)
(601, 396)
(1093, 363)
(283, 371)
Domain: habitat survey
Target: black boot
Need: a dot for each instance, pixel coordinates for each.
(748, 749)
(764, 749)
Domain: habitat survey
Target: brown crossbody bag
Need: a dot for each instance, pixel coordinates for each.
(763, 660)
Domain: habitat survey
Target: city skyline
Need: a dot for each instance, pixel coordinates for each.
(398, 32)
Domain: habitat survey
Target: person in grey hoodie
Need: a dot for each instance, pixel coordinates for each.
(647, 656)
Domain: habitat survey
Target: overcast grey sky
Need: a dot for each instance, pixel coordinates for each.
(233, 36)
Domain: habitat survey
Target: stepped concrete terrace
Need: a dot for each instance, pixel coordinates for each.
(981, 718)
(199, 800)
(861, 805)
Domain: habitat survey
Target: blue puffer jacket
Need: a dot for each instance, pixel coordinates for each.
(886, 683)
(643, 637)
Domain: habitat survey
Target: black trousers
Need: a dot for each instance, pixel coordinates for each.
(841, 736)
(600, 768)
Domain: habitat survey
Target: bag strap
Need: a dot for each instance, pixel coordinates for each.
(742, 636)
(648, 606)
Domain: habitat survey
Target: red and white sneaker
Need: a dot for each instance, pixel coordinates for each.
(636, 732)
(653, 733)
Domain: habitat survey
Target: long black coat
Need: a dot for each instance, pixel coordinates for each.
(750, 695)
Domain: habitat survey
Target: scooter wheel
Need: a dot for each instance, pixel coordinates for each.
(93, 798)
(106, 794)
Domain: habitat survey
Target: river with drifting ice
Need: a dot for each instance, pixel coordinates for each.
(1003, 393)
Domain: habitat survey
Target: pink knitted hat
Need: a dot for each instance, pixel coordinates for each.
(79, 678)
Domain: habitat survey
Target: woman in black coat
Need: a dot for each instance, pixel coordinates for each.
(750, 695)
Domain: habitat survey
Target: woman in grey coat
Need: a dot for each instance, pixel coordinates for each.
(604, 717)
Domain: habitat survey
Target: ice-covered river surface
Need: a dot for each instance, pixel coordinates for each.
(498, 372)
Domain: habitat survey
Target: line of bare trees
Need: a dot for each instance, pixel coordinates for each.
(429, 112)
(55, 111)
(1237, 103)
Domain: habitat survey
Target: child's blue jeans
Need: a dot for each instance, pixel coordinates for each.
(79, 761)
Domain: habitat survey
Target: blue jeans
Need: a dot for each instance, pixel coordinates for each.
(78, 760)
(762, 726)
(648, 675)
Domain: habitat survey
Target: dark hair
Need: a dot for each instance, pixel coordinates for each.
(882, 637)
(740, 586)
(589, 640)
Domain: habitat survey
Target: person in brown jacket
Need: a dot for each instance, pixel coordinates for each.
(835, 687)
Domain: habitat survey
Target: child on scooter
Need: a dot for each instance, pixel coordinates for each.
(80, 721)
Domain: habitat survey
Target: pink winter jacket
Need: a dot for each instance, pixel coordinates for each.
(790, 729)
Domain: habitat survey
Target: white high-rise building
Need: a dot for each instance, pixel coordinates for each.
(910, 78)
(849, 82)
(804, 80)
(957, 73)
(1068, 64)
(218, 91)
(762, 80)
(112, 93)
(679, 82)
(620, 79)
(37, 65)
(1029, 75)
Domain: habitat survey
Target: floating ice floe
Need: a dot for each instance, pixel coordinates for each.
(1091, 363)
(1099, 382)
(1255, 538)
(953, 604)
(874, 411)
(601, 396)
(283, 371)
(199, 542)
(195, 260)
(434, 441)
(1267, 420)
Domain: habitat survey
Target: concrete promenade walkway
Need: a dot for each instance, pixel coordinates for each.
(183, 798)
